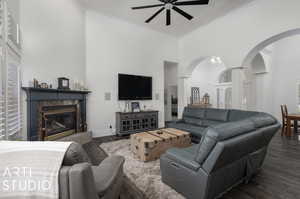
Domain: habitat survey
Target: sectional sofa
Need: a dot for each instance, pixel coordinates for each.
(233, 145)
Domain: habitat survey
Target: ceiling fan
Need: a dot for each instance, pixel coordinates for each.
(169, 5)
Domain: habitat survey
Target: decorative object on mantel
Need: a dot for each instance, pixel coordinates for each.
(205, 99)
(196, 102)
(44, 85)
(135, 107)
(195, 95)
(63, 83)
(127, 107)
(35, 83)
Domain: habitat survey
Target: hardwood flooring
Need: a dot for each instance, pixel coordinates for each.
(278, 179)
(280, 175)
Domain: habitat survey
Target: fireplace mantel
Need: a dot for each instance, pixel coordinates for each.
(38, 96)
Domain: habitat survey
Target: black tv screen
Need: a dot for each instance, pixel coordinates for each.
(133, 87)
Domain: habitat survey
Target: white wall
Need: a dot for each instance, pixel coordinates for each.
(234, 35)
(279, 86)
(114, 46)
(14, 8)
(53, 40)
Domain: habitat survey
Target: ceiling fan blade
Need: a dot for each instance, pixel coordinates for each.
(183, 13)
(153, 16)
(168, 15)
(150, 6)
(190, 3)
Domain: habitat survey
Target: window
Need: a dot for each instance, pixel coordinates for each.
(2, 113)
(13, 110)
(10, 83)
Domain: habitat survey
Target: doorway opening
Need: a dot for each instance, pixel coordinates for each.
(171, 91)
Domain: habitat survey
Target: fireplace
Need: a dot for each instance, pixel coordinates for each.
(58, 121)
(53, 114)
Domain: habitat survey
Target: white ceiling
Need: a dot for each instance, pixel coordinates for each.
(180, 25)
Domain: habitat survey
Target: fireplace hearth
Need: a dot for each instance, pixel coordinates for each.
(53, 114)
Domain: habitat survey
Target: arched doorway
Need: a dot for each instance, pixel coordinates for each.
(261, 74)
(224, 89)
(204, 73)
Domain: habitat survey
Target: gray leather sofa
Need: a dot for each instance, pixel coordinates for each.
(84, 175)
(232, 149)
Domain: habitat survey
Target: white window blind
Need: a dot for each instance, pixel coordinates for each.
(13, 110)
(2, 113)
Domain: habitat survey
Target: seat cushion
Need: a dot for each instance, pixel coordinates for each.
(197, 131)
(184, 156)
(75, 154)
(217, 114)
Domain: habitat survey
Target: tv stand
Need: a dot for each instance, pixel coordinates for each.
(133, 122)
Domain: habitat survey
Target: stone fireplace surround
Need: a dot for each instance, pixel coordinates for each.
(38, 99)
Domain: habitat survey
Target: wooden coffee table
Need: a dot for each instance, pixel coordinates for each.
(149, 146)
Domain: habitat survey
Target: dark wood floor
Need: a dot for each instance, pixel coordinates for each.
(278, 179)
(280, 175)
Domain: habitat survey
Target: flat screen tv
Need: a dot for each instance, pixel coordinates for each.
(133, 87)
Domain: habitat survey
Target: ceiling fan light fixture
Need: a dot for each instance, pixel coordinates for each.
(169, 6)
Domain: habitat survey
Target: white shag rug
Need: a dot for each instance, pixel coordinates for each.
(145, 176)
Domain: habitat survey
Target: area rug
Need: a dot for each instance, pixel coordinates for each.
(145, 176)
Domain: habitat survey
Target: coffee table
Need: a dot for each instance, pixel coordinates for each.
(150, 145)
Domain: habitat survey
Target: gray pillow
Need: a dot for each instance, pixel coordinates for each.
(75, 154)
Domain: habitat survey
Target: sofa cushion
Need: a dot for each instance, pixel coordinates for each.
(210, 123)
(205, 147)
(220, 133)
(95, 153)
(235, 115)
(194, 112)
(217, 114)
(262, 120)
(75, 154)
(194, 130)
(232, 129)
(107, 174)
(192, 120)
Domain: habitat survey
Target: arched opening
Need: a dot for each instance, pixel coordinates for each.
(203, 74)
(224, 89)
(271, 70)
(258, 64)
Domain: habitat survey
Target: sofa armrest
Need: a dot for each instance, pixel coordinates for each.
(109, 177)
(81, 182)
(181, 157)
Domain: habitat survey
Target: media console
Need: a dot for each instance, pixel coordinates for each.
(134, 122)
